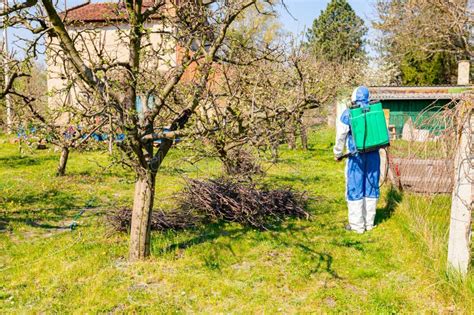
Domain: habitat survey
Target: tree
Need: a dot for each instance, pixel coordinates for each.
(426, 38)
(110, 86)
(421, 68)
(338, 33)
(36, 121)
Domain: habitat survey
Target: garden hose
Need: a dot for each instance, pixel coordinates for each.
(73, 225)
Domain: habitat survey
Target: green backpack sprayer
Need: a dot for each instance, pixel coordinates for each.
(369, 128)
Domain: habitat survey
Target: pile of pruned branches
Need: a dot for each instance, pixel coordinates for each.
(241, 202)
(206, 201)
(120, 220)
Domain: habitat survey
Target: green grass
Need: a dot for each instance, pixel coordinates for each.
(300, 266)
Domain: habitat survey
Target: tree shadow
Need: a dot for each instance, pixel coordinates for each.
(56, 198)
(349, 243)
(211, 231)
(297, 238)
(54, 219)
(206, 233)
(3, 225)
(393, 198)
(17, 161)
(35, 212)
(322, 261)
(294, 179)
(285, 236)
(47, 226)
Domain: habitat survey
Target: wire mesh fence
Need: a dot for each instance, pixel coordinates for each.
(423, 161)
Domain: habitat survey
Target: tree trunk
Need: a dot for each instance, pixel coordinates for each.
(63, 161)
(111, 136)
(291, 137)
(304, 136)
(274, 150)
(141, 216)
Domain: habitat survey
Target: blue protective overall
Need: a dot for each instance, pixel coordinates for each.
(362, 170)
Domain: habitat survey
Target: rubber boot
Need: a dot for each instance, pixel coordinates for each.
(370, 207)
(356, 215)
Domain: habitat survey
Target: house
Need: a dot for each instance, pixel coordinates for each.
(100, 32)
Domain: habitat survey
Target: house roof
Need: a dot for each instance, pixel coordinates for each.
(419, 92)
(101, 12)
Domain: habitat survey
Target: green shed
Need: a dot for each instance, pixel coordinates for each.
(417, 103)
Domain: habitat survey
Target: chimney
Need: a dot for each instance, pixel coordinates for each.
(463, 72)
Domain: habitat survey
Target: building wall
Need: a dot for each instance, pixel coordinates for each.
(336, 110)
(97, 42)
(419, 111)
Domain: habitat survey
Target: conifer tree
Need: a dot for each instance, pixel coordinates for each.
(338, 33)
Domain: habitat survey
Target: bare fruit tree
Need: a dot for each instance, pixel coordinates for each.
(443, 26)
(259, 101)
(142, 68)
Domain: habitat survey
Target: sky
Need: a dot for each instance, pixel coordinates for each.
(305, 11)
(300, 17)
(301, 14)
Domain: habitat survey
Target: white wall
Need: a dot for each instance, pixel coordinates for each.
(97, 43)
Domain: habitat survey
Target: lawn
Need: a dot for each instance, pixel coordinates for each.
(300, 266)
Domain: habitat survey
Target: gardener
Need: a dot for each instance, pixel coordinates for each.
(362, 171)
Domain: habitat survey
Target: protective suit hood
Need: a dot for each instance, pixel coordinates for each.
(360, 96)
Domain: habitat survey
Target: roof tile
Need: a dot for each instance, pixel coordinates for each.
(101, 12)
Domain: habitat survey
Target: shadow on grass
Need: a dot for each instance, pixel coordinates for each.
(171, 170)
(97, 173)
(317, 261)
(54, 197)
(50, 205)
(211, 231)
(48, 219)
(3, 225)
(287, 235)
(296, 179)
(322, 261)
(17, 161)
(393, 198)
(31, 218)
(349, 243)
(47, 226)
(206, 233)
